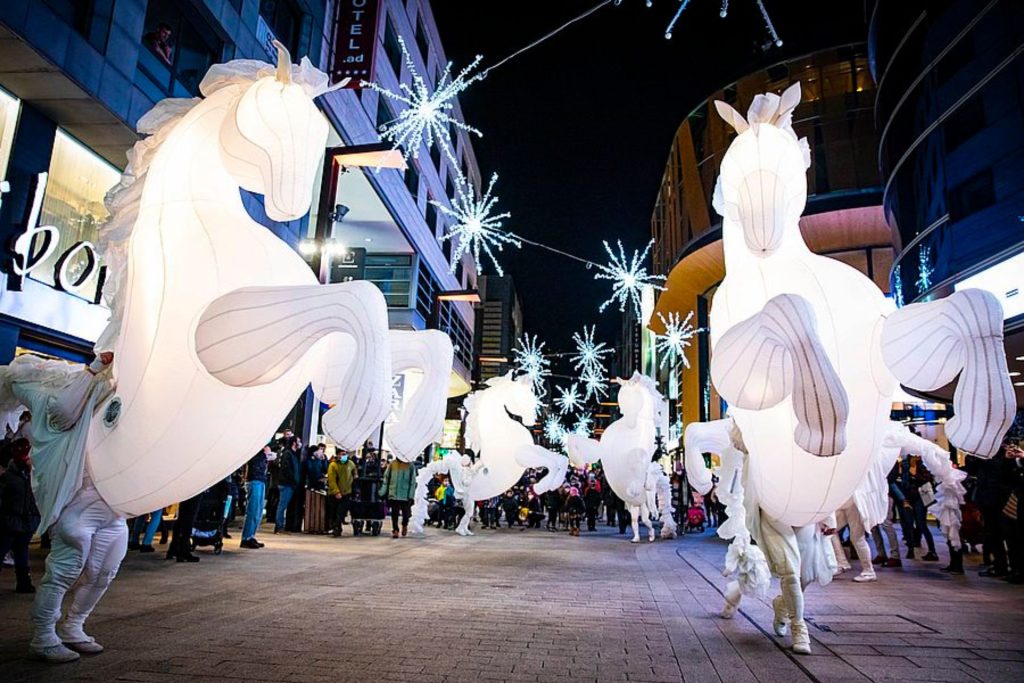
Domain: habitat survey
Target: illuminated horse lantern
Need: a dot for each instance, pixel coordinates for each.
(807, 351)
(625, 451)
(217, 325)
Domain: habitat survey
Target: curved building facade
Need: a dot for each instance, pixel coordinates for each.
(843, 219)
(950, 82)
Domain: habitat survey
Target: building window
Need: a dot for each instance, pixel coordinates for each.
(180, 49)
(431, 216)
(964, 123)
(10, 106)
(392, 273)
(73, 203)
(972, 195)
(435, 155)
(91, 18)
(285, 21)
(392, 48)
(421, 40)
(412, 181)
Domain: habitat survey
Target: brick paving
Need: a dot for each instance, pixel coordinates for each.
(515, 606)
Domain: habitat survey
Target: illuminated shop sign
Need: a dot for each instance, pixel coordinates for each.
(34, 244)
(355, 37)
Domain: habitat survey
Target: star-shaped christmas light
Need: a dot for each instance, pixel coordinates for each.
(589, 355)
(427, 115)
(569, 401)
(554, 432)
(475, 226)
(672, 345)
(629, 277)
(582, 426)
(530, 361)
(594, 383)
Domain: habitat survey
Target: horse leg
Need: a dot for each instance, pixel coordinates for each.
(532, 455)
(430, 352)
(927, 345)
(467, 517)
(252, 336)
(582, 450)
(648, 522)
(634, 522)
(704, 437)
(777, 353)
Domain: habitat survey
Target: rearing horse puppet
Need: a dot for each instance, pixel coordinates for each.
(807, 352)
(625, 451)
(217, 325)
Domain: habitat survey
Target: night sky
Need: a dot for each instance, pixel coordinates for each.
(580, 127)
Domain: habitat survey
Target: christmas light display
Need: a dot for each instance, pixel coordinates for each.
(530, 361)
(672, 345)
(569, 399)
(476, 227)
(589, 355)
(629, 277)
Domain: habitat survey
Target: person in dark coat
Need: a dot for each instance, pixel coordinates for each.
(19, 516)
(574, 509)
(592, 500)
(180, 547)
(536, 510)
(289, 481)
(510, 504)
(553, 503)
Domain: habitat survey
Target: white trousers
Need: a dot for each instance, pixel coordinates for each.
(782, 549)
(89, 540)
(858, 536)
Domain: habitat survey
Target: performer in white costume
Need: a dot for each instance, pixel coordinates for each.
(89, 539)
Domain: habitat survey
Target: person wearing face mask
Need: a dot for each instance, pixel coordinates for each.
(341, 475)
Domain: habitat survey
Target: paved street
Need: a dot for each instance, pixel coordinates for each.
(520, 606)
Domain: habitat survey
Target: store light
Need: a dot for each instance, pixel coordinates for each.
(307, 247)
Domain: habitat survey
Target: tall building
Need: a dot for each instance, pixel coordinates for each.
(843, 219)
(499, 325)
(75, 77)
(950, 80)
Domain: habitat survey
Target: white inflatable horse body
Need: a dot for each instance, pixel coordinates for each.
(504, 447)
(217, 325)
(625, 451)
(805, 349)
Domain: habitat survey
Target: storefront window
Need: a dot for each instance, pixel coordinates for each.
(9, 108)
(73, 203)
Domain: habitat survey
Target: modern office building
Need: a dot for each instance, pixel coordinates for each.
(75, 77)
(950, 80)
(499, 324)
(843, 218)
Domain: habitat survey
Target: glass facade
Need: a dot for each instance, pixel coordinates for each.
(9, 108)
(73, 203)
(951, 149)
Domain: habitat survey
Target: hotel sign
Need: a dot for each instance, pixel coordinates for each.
(355, 40)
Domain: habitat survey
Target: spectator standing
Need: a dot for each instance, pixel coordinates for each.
(341, 476)
(592, 500)
(256, 489)
(289, 480)
(553, 503)
(574, 509)
(146, 527)
(399, 488)
(535, 509)
(19, 515)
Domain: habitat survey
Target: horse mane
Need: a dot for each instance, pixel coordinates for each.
(124, 199)
(472, 405)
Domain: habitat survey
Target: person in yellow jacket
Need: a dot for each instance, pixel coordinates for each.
(341, 475)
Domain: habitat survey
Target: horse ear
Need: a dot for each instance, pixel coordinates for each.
(731, 116)
(790, 98)
(284, 63)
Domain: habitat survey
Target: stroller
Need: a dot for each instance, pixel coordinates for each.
(695, 519)
(208, 528)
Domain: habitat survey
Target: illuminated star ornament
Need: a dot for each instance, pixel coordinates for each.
(582, 426)
(530, 361)
(723, 12)
(594, 383)
(427, 115)
(629, 277)
(553, 430)
(588, 355)
(672, 345)
(569, 401)
(475, 225)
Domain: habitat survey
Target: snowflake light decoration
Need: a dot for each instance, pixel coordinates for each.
(924, 269)
(672, 345)
(530, 361)
(569, 400)
(427, 115)
(594, 383)
(629, 277)
(897, 287)
(722, 12)
(475, 225)
(554, 432)
(582, 426)
(589, 355)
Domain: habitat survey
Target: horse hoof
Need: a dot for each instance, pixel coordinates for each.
(634, 540)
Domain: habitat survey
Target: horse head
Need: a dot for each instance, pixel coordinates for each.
(274, 137)
(763, 182)
(639, 398)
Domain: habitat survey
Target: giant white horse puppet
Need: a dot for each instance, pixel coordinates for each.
(217, 325)
(807, 351)
(625, 451)
(504, 446)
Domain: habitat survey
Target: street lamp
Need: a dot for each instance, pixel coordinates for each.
(337, 160)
